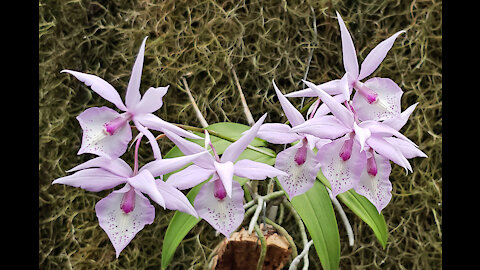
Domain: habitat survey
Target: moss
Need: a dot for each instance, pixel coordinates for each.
(263, 40)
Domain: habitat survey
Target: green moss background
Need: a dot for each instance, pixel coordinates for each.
(262, 40)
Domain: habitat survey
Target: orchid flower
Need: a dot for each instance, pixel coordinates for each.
(125, 212)
(377, 98)
(220, 200)
(342, 159)
(298, 161)
(360, 159)
(106, 132)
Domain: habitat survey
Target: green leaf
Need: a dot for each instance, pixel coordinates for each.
(178, 228)
(364, 209)
(182, 223)
(316, 210)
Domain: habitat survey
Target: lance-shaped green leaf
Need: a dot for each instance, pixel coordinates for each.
(316, 210)
(178, 228)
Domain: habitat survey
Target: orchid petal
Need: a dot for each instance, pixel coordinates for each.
(380, 129)
(312, 140)
(153, 142)
(225, 172)
(95, 140)
(389, 151)
(292, 114)
(376, 56)
(325, 127)
(132, 96)
(256, 170)
(92, 179)
(323, 108)
(361, 134)
(151, 100)
(175, 199)
(145, 183)
(163, 166)
(350, 61)
(189, 177)
(346, 86)
(156, 123)
(399, 121)
(121, 228)
(341, 174)
(377, 189)
(332, 87)
(343, 114)
(321, 142)
(277, 133)
(116, 166)
(387, 105)
(235, 149)
(300, 178)
(99, 86)
(407, 149)
(224, 215)
(188, 148)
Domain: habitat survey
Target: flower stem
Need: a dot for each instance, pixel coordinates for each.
(135, 159)
(246, 110)
(200, 117)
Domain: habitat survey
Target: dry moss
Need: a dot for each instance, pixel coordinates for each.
(263, 40)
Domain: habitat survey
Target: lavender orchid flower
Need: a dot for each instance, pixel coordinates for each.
(125, 212)
(220, 201)
(377, 98)
(360, 159)
(106, 132)
(298, 161)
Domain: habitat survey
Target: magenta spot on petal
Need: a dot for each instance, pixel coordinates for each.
(346, 150)
(301, 155)
(219, 191)
(114, 125)
(371, 166)
(366, 92)
(128, 201)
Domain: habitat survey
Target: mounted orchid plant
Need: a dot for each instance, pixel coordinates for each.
(341, 148)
